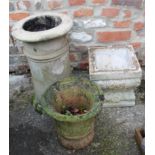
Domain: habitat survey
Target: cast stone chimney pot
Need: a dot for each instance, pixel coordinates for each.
(46, 47)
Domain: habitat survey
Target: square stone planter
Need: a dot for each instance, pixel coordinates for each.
(117, 71)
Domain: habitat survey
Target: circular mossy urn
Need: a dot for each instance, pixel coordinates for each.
(73, 103)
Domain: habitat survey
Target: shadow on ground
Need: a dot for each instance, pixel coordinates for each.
(26, 139)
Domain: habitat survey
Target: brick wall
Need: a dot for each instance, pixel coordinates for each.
(96, 22)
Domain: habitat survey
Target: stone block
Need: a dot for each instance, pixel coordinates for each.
(24, 4)
(90, 23)
(139, 26)
(119, 95)
(119, 98)
(83, 12)
(81, 37)
(119, 84)
(108, 36)
(135, 3)
(119, 104)
(122, 24)
(54, 4)
(117, 71)
(99, 2)
(76, 2)
(94, 23)
(110, 12)
(18, 15)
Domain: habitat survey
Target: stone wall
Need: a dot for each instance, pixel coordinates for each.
(96, 22)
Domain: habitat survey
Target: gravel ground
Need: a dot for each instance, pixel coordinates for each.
(34, 134)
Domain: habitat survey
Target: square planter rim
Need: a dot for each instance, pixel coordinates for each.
(114, 74)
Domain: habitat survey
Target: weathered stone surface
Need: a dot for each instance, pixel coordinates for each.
(47, 73)
(28, 33)
(13, 50)
(119, 84)
(117, 72)
(47, 67)
(120, 95)
(19, 68)
(18, 64)
(18, 83)
(90, 23)
(45, 47)
(80, 37)
(113, 63)
(119, 98)
(119, 104)
(113, 60)
(17, 59)
(94, 23)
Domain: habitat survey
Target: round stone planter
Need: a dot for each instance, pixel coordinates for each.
(73, 103)
(46, 47)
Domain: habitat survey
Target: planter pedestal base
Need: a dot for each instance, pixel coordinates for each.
(119, 98)
(77, 143)
(117, 71)
(119, 104)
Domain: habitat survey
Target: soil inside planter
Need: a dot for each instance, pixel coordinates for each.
(72, 102)
(42, 23)
(73, 111)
